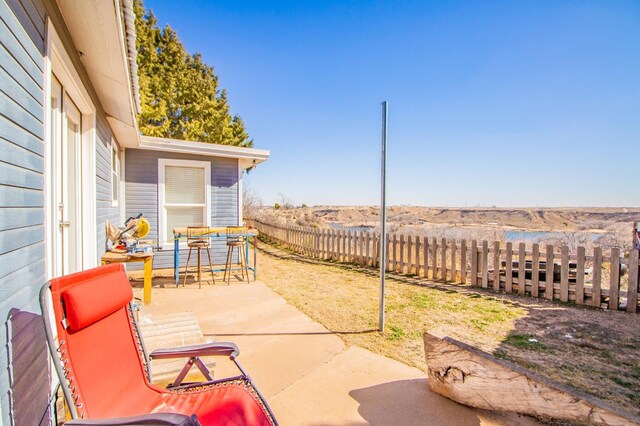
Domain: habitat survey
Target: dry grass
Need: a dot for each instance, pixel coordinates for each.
(594, 351)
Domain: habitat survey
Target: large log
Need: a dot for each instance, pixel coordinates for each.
(472, 377)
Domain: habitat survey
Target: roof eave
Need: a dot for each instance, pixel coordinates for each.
(247, 157)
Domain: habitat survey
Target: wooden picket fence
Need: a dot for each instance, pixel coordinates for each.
(554, 273)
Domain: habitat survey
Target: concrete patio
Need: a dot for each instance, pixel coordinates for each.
(304, 370)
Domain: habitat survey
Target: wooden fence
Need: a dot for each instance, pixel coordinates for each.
(604, 281)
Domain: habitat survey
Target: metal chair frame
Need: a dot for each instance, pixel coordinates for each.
(192, 353)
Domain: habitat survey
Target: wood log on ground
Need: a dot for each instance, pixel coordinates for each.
(472, 377)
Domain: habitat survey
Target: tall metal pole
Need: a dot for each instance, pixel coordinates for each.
(383, 212)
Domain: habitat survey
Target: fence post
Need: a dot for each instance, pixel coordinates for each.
(614, 281)
(580, 276)
(367, 247)
(485, 264)
(597, 277)
(443, 253)
(387, 247)
(344, 246)
(463, 261)
(373, 253)
(417, 246)
(434, 258)
(522, 259)
(548, 288)
(564, 274)
(474, 263)
(409, 254)
(349, 255)
(496, 265)
(327, 240)
(508, 272)
(535, 271)
(632, 290)
(401, 254)
(325, 244)
(394, 251)
(425, 255)
(454, 249)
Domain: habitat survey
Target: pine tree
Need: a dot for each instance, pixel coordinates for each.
(179, 93)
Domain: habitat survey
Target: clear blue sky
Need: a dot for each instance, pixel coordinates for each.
(514, 103)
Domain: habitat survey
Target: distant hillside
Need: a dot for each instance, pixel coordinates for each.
(607, 227)
(540, 219)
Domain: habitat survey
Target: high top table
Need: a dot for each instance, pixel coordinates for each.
(215, 233)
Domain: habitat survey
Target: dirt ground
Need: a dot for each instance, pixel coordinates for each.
(594, 351)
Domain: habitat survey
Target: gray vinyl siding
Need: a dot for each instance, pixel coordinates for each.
(105, 210)
(141, 187)
(22, 249)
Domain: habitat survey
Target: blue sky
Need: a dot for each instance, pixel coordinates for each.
(514, 103)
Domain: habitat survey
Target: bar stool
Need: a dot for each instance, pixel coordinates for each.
(236, 237)
(198, 238)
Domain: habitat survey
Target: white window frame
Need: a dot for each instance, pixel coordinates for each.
(115, 175)
(163, 239)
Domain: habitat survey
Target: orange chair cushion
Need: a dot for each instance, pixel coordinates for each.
(96, 298)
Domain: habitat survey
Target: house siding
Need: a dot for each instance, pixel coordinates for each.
(141, 175)
(22, 248)
(105, 210)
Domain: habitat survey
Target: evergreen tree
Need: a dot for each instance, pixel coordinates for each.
(179, 93)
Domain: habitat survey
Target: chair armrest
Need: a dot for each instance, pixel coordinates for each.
(158, 419)
(205, 349)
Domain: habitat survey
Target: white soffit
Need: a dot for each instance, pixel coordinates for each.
(247, 157)
(96, 27)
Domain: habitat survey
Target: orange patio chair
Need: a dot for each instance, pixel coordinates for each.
(104, 368)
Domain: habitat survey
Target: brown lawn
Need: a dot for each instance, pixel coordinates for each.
(597, 352)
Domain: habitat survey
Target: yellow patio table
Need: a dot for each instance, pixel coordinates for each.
(147, 258)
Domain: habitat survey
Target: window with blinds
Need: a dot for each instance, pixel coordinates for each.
(184, 196)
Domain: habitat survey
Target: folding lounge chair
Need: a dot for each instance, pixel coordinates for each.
(104, 368)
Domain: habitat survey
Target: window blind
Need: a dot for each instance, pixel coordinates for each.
(184, 185)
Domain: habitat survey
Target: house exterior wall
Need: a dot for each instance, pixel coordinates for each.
(105, 210)
(141, 196)
(24, 364)
(22, 246)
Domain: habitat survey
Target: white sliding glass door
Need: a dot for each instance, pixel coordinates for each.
(66, 140)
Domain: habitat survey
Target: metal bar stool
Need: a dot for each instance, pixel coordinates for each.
(198, 238)
(236, 237)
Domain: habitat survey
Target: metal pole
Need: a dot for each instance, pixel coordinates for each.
(383, 212)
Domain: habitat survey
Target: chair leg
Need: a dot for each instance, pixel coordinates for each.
(231, 265)
(227, 264)
(199, 269)
(246, 265)
(186, 268)
(211, 266)
(240, 263)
